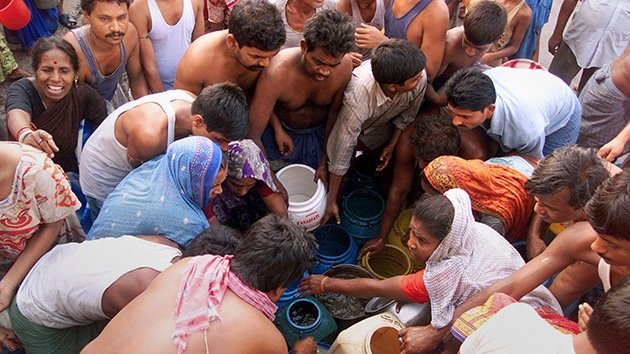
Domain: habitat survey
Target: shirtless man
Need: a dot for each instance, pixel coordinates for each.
(60, 307)
(300, 94)
(241, 311)
(466, 45)
(142, 129)
(166, 28)
(108, 46)
(601, 243)
(422, 22)
(295, 14)
(255, 34)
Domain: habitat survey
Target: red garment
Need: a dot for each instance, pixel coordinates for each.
(414, 288)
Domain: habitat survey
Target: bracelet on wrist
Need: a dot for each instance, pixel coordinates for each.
(23, 134)
(22, 130)
(321, 285)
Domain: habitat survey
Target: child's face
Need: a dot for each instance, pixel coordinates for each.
(472, 50)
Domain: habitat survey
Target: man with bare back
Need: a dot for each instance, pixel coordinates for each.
(297, 98)
(255, 34)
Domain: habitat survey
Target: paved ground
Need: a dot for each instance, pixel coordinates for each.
(72, 7)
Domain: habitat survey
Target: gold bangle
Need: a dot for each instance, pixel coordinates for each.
(321, 285)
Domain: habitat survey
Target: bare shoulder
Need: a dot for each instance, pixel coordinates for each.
(436, 8)
(131, 37)
(524, 14)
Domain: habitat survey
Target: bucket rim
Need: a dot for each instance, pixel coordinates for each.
(308, 327)
(319, 183)
(346, 209)
(365, 261)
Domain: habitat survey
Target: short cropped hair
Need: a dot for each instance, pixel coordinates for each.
(470, 89)
(485, 22)
(273, 253)
(217, 239)
(436, 212)
(88, 5)
(609, 325)
(435, 136)
(331, 31)
(396, 61)
(46, 44)
(576, 168)
(608, 210)
(257, 24)
(224, 109)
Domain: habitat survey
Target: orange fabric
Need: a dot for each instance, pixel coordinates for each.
(414, 288)
(494, 190)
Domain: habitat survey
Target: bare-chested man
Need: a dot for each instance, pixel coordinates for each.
(422, 22)
(300, 94)
(255, 34)
(166, 28)
(107, 46)
(465, 45)
(143, 129)
(238, 293)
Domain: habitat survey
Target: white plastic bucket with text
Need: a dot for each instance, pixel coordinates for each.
(307, 199)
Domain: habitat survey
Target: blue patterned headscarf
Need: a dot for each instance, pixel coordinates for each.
(165, 196)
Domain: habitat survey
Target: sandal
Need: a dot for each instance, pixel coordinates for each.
(67, 22)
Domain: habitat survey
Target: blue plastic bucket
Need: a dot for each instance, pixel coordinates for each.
(306, 317)
(362, 214)
(291, 293)
(336, 246)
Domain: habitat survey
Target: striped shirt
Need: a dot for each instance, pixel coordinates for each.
(366, 114)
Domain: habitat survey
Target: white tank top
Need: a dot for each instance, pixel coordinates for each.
(378, 20)
(603, 269)
(170, 42)
(65, 287)
(103, 161)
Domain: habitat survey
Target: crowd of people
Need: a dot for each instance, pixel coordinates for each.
(187, 234)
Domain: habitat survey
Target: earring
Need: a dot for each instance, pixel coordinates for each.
(76, 82)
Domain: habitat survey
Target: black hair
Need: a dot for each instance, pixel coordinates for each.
(609, 325)
(224, 109)
(88, 5)
(331, 31)
(273, 253)
(470, 89)
(46, 44)
(217, 239)
(435, 136)
(485, 22)
(257, 24)
(396, 61)
(609, 210)
(436, 213)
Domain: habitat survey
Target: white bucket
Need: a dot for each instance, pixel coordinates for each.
(307, 199)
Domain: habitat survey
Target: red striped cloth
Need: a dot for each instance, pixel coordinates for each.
(201, 290)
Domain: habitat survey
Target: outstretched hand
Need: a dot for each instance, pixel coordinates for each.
(284, 142)
(312, 285)
(42, 140)
(8, 339)
(332, 210)
(373, 246)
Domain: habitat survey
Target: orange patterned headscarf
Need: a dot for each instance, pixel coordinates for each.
(494, 190)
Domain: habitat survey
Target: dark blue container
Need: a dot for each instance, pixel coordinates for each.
(306, 317)
(362, 214)
(291, 293)
(362, 175)
(336, 246)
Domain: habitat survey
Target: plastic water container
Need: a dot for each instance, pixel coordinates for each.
(388, 263)
(14, 14)
(291, 293)
(362, 175)
(306, 317)
(362, 214)
(410, 314)
(336, 246)
(307, 199)
(374, 335)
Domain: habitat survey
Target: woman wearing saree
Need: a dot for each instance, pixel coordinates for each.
(166, 195)
(36, 210)
(497, 192)
(248, 192)
(45, 111)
